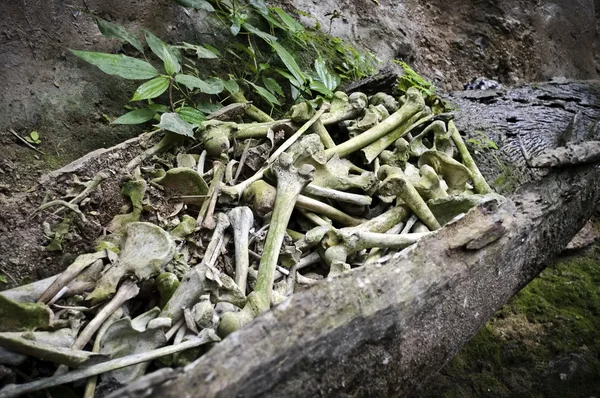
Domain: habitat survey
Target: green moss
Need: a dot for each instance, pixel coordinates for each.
(185, 227)
(568, 297)
(554, 319)
(166, 284)
(53, 162)
(18, 317)
(108, 245)
(507, 181)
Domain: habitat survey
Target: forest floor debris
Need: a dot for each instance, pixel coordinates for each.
(227, 223)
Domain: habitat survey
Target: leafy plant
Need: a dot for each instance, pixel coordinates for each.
(410, 78)
(482, 141)
(33, 138)
(3, 279)
(263, 65)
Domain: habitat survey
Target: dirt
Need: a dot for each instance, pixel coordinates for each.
(452, 42)
(47, 89)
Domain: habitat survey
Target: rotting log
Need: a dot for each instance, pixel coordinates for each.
(382, 330)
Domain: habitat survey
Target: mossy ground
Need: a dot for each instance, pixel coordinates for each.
(544, 343)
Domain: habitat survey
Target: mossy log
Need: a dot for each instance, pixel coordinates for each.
(382, 330)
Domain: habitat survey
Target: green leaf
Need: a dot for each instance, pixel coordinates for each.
(158, 108)
(209, 86)
(171, 64)
(190, 82)
(231, 85)
(191, 115)
(135, 117)
(172, 122)
(110, 29)
(329, 79)
(235, 27)
(208, 107)
(155, 44)
(260, 6)
(215, 85)
(274, 22)
(272, 85)
(197, 4)
(287, 19)
(3, 279)
(213, 49)
(249, 51)
(290, 78)
(151, 89)
(34, 135)
(266, 95)
(321, 88)
(263, 35)
(119, 65)
(289, 61)
(201, 51)
(294, 92)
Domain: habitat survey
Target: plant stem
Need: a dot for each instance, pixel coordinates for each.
(171, 106)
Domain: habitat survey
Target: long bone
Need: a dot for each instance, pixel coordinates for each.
(479, 183)
(262, 196)
(290, 182)
(127, 291)
(197, 281)
(241, 219)
(216, 135)
(350, 242)
(373, 150)
(344, 107)
(379, 224)
(236, 191)
(396, 183)
(413, 105)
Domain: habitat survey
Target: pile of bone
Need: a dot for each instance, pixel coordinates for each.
(223, 227)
